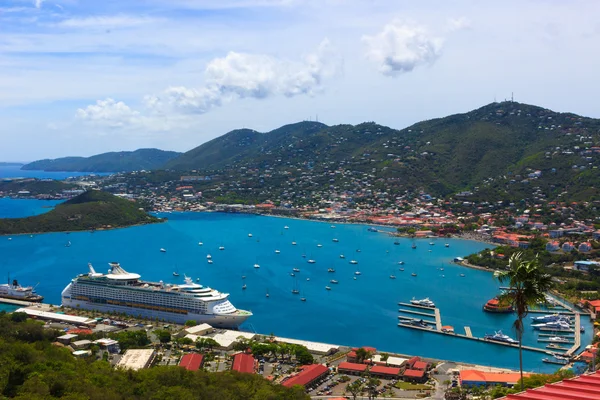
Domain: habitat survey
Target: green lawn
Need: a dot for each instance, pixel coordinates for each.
(412, 386)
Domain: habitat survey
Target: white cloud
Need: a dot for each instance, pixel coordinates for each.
(109, 113)
(107, 21)
(242, 75)
(458, 24)
(38, 3)
(401, 47)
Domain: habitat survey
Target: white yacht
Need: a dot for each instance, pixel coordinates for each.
(423, 302)
(256, 266)
(500, 337)
(18, 292)
(353, 262)
(311, 261)
(124, 292)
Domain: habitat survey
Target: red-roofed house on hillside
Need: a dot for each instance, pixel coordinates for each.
(352, 368)
(308, 377)
(594, 304)
(351, 356)
(414, 375)
(243, 363)
(384, 372)
(583, 387)
(191, 362)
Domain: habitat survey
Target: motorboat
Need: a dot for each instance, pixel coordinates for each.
(342, 256)
(414, 246)
(500, 337)
(294, 243)
(330, 270)
(333, 281)
(221, 247)
(200, 244)
(256, 266)
(353, 262)
(558, 339)
(208, 256)
(418, 323)
(302, 298)
(327, 288)
(296, 269)
(295, 291)
(161, 250)
(286, 227)
(357, 273)
(392, 276)
(401, 269)
(210, 261)
(244, 287)
(413, 274)
(277, 251)
(249, 235)
(447, 245)
(400, 262)
(549, 318)
(335, 240)
(311, 261)
(319, 245)
(423, 302)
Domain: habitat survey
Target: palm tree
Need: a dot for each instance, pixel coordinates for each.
(528, 286)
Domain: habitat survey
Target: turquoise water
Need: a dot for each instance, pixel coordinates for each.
(15, 171)
(355, 312)
(17, 208)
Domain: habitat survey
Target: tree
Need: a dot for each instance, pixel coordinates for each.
(528, 286)
(355, 388)
(372, 384)
(362, 355)
(190, 322)
(163, 335)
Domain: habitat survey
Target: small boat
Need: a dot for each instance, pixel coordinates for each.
(431, 243)
(197, 279)
(342, 256)
(9, 238)
(308, 279)
(353, 262)
(303, 255)
(311, 261)
(358, 250)
(69, 245)
(295, 291)
(221, 248)
(423, 302)
(249, 235)
(327, 288)
(277, 251)
(392, 276)
(200, 243)
(413, 274)
(418, 322)
(447, 245)
(243, 276)
(462, 275)
(334, 240)
(582, 329)
(396, 242)
(302, 298)
(333, 281)
(267, 294)
(442, 268)
(556, 360)
(558, 339)
(296, 269)
(401, 269)
(208, 256)
(354, 278)
(330, 270)
(286, 227)
(294, 243)
(357, 273)
(175, 273)
(319, 245)
(400, 262)
(244, 287)
(256, 266)
(292, 274)
(161, 250)
(210, 261)
(414, 246)
(332, 226)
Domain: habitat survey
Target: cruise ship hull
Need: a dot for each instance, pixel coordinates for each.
(226, 321)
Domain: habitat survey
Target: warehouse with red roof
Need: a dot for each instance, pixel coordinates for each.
(309, 375)
(352, 368)
(243, 363)
(191, 362)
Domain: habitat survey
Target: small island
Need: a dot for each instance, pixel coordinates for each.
(92, 210)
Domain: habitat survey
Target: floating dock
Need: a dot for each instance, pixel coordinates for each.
(402, 310)
(401, 318)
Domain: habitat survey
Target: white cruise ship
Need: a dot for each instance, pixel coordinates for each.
(18, 292)
(124, 292)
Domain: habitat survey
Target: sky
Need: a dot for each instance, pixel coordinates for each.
(82, 77)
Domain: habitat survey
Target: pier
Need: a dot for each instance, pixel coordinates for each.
(18, 302)
(516, 346)
(402, 310)
(468, 332)
(438, 319)
(577, 344)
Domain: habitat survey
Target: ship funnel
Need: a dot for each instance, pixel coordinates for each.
(92, 270)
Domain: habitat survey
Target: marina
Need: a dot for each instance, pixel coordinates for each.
(458, 299)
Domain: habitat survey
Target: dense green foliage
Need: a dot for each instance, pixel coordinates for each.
(493, 148)
(122, 161)
(32, 368)
(34, 187)
(90, 210)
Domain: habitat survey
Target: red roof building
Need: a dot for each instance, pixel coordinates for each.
(244, 363)
(420, 365)
(414, 375)
(352, 368)
(309, 375)
(583, 387)
(191, 362)
(473, 377)
(384, 372)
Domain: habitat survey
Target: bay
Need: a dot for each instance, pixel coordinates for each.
(15, 171)
(361, 312)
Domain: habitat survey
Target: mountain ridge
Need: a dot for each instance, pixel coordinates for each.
(116, 161)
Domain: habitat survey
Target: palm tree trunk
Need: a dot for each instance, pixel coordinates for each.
(520, 334)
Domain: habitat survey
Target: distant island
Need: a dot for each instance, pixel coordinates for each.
(91, 210)
(122, 161)
(10, 164)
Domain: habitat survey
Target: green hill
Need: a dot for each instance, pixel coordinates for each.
(487, 147)
(90, 210)
(123, 161)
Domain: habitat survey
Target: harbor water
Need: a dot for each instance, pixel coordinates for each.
(355, 312)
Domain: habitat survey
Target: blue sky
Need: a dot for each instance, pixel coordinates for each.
(84, 77)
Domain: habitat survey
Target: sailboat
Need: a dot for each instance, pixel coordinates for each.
(295, 289)
(414, 246)
(176, 272)
(267, 294)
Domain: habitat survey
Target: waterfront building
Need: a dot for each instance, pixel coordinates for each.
(351, 368)
(471, 377)
(308, 376)
(414, 375)
(385, 372)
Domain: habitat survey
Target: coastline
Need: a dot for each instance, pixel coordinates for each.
(160, 220)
